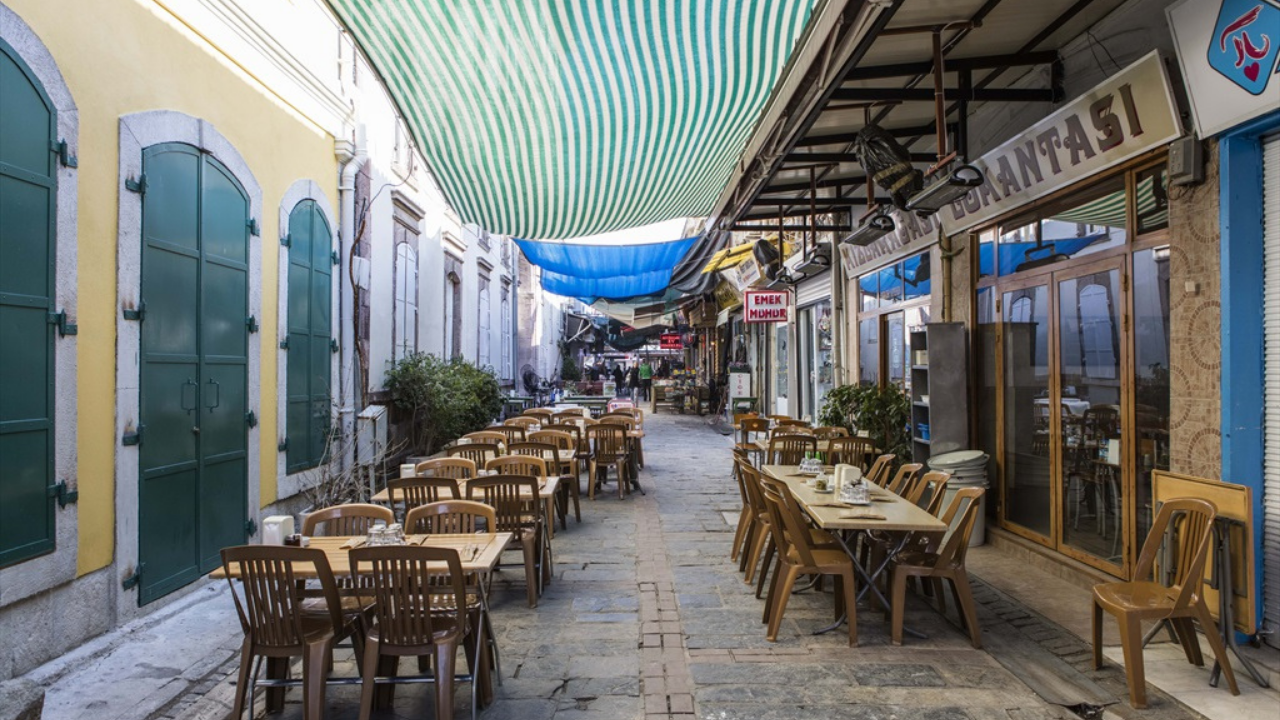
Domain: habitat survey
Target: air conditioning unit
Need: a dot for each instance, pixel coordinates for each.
(371, 434)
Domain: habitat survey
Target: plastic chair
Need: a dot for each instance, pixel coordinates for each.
(517, 510)
(511, 433)
(456, 468)
(412, 492)
(879, 472)
(608, 448)
(524, 421)
(558, 449)
(947, 563)
(348, 519)
(750, 429)
(850, 451)
(1181, 601)
(489, 435)
(478, 453)
(905, 479)
(278, 625)
(830, 432)
(543, 415)
(450, 517)
(786, 449)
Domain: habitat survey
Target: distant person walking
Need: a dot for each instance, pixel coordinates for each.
(646, 380)
(619, 380)
(633, 381)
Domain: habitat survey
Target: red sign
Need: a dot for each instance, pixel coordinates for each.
(766, 306)
(670, 341)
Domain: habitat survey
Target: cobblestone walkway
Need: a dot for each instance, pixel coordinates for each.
(647, 618)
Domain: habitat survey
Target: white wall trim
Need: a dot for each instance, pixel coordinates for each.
(290, 485)
(139, 131)
(47, 571)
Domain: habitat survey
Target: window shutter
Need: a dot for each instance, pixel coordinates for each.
(309, 354)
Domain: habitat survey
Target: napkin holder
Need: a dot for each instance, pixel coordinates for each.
(276, 528)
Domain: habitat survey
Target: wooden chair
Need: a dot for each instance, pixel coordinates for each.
(635, 435)
(518, 465)
(739, 417)
(792, 422)
(779, 418)
(543, 415)
(457, 468)
(413, 492)
(550, 456)
(879, 472)
(478, 453)
(757, 536)
(948, 563)
(582, 453)
(348, 519)
(850, 451)
(450, 517)
(790, 449)
(486, 436)
(934, 484)
(570, 413)
(905, 478)
(277, 624)
(829, 432)
(525, 421)
(1180, 599)
(751, 429)
(747, 514)
(511, 433)
(413, 623)
(799, 555)
(517, 510)
(608, 448)
(566, 464)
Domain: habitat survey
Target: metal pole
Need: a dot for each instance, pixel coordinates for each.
(939, 96)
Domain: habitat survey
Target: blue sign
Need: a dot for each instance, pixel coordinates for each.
(1246, 43)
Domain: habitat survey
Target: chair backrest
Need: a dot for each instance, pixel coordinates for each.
(488, 435)
(791, 530)
(564, 417)
(790, 449)
(579, 439)
(1192, 519)
(548, 452)
(564, 441)
(348, 519)
(619, 418)
(739, 417)
(751, 425)
(511, 433)
(829, 432)
(524, 421)
(779, 418)
(751, 484)
(518, 465)
(450, 517)
(412, 492)
(936, 481)
(956, 547)
(792, 422)
(879, 472)
(543, 413)
(514, 499)
(608, 441)
(271, 609)
(458, 468)
(850, 451)
(406, 616)
(904, 478)
(478, 453)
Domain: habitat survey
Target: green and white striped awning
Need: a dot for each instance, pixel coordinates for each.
(562, 118)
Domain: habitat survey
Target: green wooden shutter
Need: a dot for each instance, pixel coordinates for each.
(310, 276)
(27, 215)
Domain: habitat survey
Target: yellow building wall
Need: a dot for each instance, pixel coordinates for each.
(126, 56)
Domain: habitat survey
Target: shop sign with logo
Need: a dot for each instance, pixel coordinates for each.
(670, 341)
(1130, 113)
(727, 296)
(1229, 51)
(766, 306)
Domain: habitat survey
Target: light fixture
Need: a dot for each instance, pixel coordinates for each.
(817, 262)
(940, 194)
(872, 229)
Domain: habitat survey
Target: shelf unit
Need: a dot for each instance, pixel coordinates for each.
(939, 393)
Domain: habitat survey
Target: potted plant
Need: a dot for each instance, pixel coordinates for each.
(884, 413)
(446, 399)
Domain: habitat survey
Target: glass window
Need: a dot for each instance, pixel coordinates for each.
(1028, 500)
(824, 367)
(1151, 364)
(869, 350)
(483, 339)
(780, 349)
(896, 337)
(505, 330)
(891, 290)
(986, 254)
(1153, 199)
(405, 312)
(915, 276)
(869, 291)
(1085, 227)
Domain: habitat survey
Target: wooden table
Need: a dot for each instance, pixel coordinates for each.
(479, 552)
(546, 490)
(900, 517)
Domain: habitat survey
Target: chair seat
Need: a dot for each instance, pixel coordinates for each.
(443, 629)
(1141, 597)
(823, 558)
(351, 605)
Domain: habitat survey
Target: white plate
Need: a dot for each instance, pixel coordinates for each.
(823, 492)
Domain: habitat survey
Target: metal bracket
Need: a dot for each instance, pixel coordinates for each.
(60, 319)
(334, 257)
(64, 154)
(63, 494)
(286, 240)
(284, 344)
(251, 419)
(253, 227)
(333, 345)
(139, 313)
(251, 323)
(138, 185)
(251, 527)
(131, 580)
(282, 446)
(132, 438)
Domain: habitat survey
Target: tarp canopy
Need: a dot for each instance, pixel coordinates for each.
(611, 272)
(562, 118)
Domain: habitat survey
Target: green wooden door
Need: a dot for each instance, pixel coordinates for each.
(310, 292)
(194, 366)
(27, 196)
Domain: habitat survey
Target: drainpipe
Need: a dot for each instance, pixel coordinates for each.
(837, 315)
(346, 294)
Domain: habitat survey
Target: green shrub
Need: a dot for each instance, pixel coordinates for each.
(569, 371)
(884, 413)
(446, 399)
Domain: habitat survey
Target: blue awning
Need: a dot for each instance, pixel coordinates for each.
(610, 272)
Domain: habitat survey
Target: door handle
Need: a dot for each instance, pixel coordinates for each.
(183, 399)
(217, 395)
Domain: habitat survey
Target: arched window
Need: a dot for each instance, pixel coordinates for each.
(310, 291)
(405, 320)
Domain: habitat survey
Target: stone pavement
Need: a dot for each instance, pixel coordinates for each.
(646, 618)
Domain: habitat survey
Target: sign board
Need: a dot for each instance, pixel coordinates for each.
(670, 341)
(727, 297)
(1229, 51)
(766, 306)
(748, 273)
(739, 385)
(1126, 115)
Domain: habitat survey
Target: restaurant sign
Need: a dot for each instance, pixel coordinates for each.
(766, 306)
(1126, 115)
(670, 341)
(1229, 51)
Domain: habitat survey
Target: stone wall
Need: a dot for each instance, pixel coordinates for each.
(1195, 321)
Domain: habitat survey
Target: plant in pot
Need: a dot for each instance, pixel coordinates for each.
(445, 398)
(884, 413)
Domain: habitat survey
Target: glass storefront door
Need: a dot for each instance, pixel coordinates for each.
(1028, 476)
